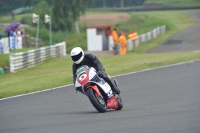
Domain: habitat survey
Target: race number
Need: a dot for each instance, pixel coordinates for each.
(82, 77)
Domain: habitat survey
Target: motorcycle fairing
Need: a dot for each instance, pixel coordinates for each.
(112, 103)
(82, 75)
(87, 76)
(95, 88)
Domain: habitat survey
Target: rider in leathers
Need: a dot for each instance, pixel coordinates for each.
(80, 59)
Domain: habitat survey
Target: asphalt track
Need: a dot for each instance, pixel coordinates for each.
(164, 100)
(187, 40)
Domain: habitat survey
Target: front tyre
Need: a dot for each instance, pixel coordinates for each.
(97, 102)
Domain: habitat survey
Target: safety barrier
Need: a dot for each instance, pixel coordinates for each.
(146, 37)
(17, 43)
(33, 57)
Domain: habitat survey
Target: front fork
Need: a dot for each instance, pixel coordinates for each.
(95, 88)
(112, 102)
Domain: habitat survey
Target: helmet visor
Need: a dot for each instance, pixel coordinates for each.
(77, 57)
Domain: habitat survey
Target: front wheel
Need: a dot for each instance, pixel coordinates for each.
(97, 102)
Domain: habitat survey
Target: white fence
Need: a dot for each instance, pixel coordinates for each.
(33, 57)
(146, 37)
(11, 43)
(4, 46)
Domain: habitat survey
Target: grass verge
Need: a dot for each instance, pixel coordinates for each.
(58, 71)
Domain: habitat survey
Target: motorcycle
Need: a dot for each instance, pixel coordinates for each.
(97, 90)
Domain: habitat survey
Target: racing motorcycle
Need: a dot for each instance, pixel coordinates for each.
(97, 90)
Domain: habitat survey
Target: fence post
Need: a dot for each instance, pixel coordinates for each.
(12, 68)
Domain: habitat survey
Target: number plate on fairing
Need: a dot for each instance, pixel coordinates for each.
(80, 71)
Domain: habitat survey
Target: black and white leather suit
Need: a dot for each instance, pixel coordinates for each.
(93, 61)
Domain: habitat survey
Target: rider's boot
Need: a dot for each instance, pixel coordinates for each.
(113, 86)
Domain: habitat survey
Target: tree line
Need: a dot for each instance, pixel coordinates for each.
(9, 5)
(64, 13)
(116, 3)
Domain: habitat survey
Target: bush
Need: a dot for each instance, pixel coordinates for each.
(27, 20)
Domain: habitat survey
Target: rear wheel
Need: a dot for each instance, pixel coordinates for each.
(97, 101)
(120, 103)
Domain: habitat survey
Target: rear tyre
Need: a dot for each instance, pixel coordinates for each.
(97, 102)
(120, 103)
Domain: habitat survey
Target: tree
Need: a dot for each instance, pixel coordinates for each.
(122, 3)
(8, 5)
(34, 2)
(117, 3)
(66, 12)
(41, 9)
(30, 2)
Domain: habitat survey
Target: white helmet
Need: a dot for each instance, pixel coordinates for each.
(77, 55)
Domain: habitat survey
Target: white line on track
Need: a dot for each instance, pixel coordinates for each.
(112, 76)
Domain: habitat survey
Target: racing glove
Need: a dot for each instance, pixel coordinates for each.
(101, 74)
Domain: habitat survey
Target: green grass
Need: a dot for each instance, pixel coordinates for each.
(142, 23)
(8, 18)
(4, 58)
(175, 21)
(58, 71)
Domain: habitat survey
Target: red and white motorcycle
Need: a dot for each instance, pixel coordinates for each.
(98, 91)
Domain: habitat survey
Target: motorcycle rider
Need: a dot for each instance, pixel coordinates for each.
(80, 59)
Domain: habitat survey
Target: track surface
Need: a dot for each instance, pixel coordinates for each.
(164, 100)
(186, 40)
